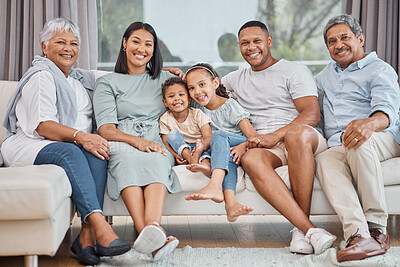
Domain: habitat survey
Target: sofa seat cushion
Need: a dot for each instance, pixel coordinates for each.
(391, 171)
(32, 192)
(194, 181)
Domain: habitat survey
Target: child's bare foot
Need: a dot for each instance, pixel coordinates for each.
(196, 152)
(200, 167)
(209, 192)
(234, 211)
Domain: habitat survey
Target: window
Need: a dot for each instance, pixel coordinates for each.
(206, 31)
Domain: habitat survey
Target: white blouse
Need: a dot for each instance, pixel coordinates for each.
(38, 104)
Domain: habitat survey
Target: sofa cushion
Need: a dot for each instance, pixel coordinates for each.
(194, 181)
(391, 171)
(32, 192)
(6, 89)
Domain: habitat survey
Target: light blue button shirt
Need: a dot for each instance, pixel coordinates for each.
(357, 92)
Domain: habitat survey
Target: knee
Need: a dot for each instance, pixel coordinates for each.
(367, 148)
(248, 161)
(218, 135)
(173, 135)
(64, 154)
(71, 150)
(300, 137)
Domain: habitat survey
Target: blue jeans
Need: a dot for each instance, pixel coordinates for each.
(221, 143)
(175, 140)
(86, 173)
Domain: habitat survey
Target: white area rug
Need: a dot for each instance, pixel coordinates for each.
(244, 257)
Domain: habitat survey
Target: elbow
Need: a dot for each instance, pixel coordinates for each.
(313, 118)
(106, 131)
(316, 119)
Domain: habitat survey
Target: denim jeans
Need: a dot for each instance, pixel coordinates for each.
(175, 140)
(86, 173)
(221, 143)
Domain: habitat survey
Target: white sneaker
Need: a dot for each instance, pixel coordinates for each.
(320, 239)
(299, 244)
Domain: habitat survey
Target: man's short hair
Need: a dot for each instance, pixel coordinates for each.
(344, 19)
(253, 23)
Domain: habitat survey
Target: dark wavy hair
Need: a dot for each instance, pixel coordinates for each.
(172, 81)
(221, 90)
(154, 66)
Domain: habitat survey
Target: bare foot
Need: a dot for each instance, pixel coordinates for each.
(196, 153)
(200, 167)
(209, 192)
(234, 211)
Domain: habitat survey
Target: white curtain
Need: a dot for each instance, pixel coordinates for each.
(22, 20)
(380, 22)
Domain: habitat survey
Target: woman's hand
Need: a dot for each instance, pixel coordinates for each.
(237, 152)
(94, 144)
(178, 72)
(149, 146)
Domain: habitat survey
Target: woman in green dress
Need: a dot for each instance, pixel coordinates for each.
(127, 105)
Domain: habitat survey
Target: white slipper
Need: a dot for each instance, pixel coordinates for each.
(166, 249)
(150, 239)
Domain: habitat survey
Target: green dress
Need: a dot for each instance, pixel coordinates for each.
(134, 104)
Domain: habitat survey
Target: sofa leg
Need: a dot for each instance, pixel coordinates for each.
(31, 261)
(109, 219)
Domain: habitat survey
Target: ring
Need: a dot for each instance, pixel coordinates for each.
(258, 141)
(355, 138)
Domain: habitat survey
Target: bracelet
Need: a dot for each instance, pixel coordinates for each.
(75, 136)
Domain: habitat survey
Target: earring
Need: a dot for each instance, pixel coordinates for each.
(124, 49)
(45, 55)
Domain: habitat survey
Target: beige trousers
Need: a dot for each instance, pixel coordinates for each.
(353, 183)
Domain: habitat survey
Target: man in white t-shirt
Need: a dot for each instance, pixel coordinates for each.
(281, 97)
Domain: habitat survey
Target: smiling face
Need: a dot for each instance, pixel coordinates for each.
(62, 49)
(139, 50)
(344, 47)
(255, 44)
(202, 86)
(176, 98)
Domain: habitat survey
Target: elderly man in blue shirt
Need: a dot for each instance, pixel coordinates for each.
(361, 116)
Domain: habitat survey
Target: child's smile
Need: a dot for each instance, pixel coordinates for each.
(176, 98)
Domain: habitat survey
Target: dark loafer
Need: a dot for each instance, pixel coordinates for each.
(86, 255)
(116, 247)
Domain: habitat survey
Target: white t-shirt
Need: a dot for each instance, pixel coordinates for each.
(38, 104)
(268, 94)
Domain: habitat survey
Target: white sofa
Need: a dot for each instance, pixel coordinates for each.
(36, 211)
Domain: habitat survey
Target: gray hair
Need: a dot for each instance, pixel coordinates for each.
(344, 19)
(58, 25)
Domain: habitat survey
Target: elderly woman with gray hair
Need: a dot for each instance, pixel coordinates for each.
(49, 120)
